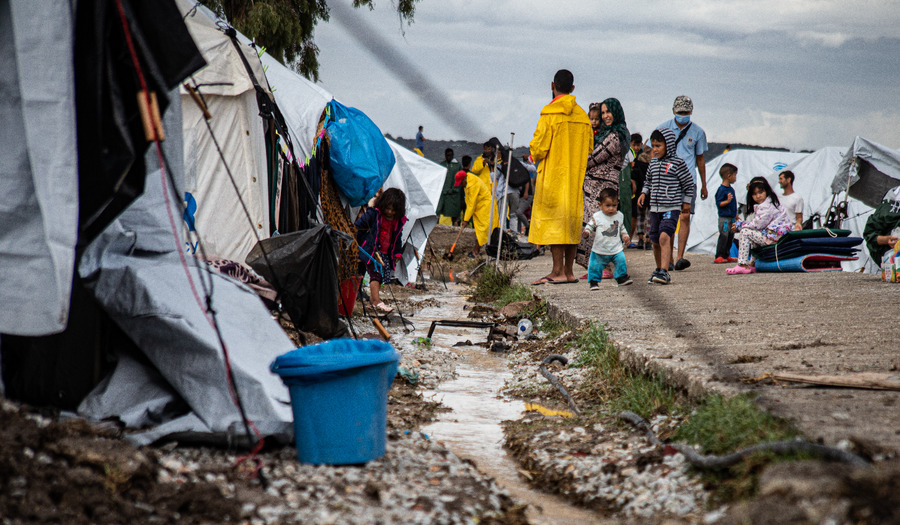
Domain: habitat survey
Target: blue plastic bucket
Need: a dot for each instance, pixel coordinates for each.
(339, 393)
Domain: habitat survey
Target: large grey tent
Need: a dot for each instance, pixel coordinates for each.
(867, 171)
(176, 379)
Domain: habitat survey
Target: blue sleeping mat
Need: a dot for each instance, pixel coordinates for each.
(808, 246)
(816, 262)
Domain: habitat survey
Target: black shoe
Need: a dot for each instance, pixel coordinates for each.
(682, 264)
(594, 286)
(625, 280)
(671, 267)
(652, 275)
(662, 277)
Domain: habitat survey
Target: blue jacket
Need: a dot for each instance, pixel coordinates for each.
(367, 227)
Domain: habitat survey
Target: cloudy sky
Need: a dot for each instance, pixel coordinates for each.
(801, 74)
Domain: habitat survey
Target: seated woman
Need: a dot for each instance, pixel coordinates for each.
(878, 231)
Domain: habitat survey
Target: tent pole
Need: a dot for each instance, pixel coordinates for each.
(493, 199)
(505, 198)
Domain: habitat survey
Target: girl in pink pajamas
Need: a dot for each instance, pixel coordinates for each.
(770, 222)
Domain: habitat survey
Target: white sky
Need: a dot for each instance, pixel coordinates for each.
(801, 74)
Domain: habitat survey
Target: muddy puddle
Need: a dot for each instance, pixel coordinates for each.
(472, 428)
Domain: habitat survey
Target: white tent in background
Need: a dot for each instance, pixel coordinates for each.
(213, 206)
(750, 163)
(302, 103)
(422, 181)
(813, 173)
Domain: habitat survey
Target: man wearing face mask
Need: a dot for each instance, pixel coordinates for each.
(691, 147)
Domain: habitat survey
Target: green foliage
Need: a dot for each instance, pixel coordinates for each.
(721, 426)
(286, 27)
(612, 385)
(513, 293)
(492, 283)
(551, 327)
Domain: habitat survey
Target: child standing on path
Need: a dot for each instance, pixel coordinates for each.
(609, 225)
(378, 235)
(770, 222)
(670, 188)
(726, 200)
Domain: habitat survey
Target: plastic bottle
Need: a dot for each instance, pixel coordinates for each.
(525, 327)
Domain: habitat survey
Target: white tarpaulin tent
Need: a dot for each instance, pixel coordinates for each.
(422, 181)
(302, 103)
(872, 170)
(38, 167)
(750, 163)
(813, 176)
(133, 269)
(213, 207)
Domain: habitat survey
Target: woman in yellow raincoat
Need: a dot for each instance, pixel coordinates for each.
(478, 210)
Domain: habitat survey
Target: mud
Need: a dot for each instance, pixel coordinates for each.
(71, 473)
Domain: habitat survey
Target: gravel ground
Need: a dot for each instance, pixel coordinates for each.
(602, 465)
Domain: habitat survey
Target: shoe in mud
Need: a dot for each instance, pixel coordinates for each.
(625, 280)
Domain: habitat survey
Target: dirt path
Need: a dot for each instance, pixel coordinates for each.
(708, 331)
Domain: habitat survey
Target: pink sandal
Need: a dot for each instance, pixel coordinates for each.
(383, 308)
(739, 270)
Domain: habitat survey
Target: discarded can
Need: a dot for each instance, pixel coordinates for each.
(525, 327)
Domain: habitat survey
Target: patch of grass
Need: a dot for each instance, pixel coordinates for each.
(721, 425)
(492, 283)
(513, 293)
(551, 327)
(615, 387)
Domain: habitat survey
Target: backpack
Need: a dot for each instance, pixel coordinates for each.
(513, 248)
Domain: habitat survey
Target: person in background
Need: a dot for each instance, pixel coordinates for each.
(448, 208)
(791, 200)
(770, 222)
(608, 228)
(511, 193)
(420, 142)
(691, 146)
(460, 183)
(527, 195)
(478, 210)
(378, 235)
(726, 202)
(669, 188)
(638, 175)
(484, 165)
(604, 165)
(637, 183)
(880, 230)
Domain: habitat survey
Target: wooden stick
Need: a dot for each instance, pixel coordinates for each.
(150, 116)
(381, 330)
(199, 101)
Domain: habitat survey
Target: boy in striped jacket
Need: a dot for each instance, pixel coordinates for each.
(670, 188)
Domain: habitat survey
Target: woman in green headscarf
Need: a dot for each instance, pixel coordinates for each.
(604, 166)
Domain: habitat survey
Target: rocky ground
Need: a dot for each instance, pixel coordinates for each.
(66, 471)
